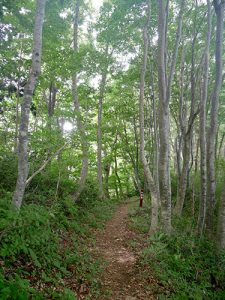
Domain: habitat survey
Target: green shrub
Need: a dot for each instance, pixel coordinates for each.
(46, 244)
(187, 265)
(8, 171)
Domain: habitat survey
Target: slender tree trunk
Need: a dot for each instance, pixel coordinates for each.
(18, 98)
(178, 38)
(116, 188)
(136, 169)
(164, 98)
(25, 109)
(211, 184)
(196, 155)
(221, 221)
(117, 176)
(187, 134)
(107, 172)
(149, 178)
(155, 136)
(99, 132)
(99, 135)
(182, 172)
(51, 101)
(181, 192)
(202, 126)
(17, 119)
(164, 177)
(221, 144)
(133, 162)
(80, 125)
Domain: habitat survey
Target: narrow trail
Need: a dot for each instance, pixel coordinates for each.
(120, 276)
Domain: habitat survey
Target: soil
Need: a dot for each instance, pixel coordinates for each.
(122, 277)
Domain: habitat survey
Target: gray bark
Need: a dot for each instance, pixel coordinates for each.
(187, 134)
(137, 155)
(25, 109)
(164, 177)
(221, 221)
(212, 131)
(149, 178)
(164, 98)
(80, 125)
(202, 126)
(18, 99)
(17, 119)
(117, 176)
(175, 53)
(221, 144)
(155, 134)
(99, 130)
(99, 134)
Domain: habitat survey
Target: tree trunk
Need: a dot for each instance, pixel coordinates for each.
(149, 178)
(221, 144)
(117, 177)
(17, 119)
(18, 98)
(25, 108)
(221, 222)
(164, 176)
(136, 169)
(80, 125)
(99, 135)
(133, 161)
(211, 138)
(182, 187)
(202, 127)
(107, 172)
(155, 135)
(187, 134)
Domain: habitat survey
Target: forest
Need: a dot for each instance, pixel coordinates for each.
(105, 104)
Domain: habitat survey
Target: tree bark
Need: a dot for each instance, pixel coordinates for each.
(80, 125)
(155, 135)
(107, 172)
(136, 170)
(149, 178)
(17, 119)
(221, 221)
(187, 134)
(99, 134)
(211, 135)
(164, 174)
(25, 109)
(202, 126)
(117, 176)
(164, 98)
(221, 144)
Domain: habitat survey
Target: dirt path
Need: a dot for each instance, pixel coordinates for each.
(120, 277)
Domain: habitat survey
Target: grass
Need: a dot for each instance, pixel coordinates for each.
(188, 267)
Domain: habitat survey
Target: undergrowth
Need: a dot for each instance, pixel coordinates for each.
(187, 266)
(43, 250)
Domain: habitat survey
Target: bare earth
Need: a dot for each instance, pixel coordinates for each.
(121, 277)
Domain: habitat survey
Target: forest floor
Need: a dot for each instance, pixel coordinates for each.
(122, 276)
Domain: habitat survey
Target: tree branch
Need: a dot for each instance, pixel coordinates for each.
(44, 164)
